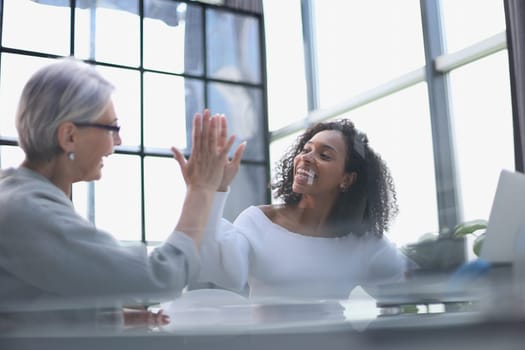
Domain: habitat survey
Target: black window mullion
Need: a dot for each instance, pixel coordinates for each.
(143, 237)
(73, 4)
(449, 211)
(515, 22)
(262, 40)
(205, 55)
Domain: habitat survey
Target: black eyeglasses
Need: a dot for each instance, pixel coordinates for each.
(113, 129)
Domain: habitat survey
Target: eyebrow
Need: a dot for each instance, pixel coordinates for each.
(324, 145)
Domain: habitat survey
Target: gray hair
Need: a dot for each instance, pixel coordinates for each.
(66, 90)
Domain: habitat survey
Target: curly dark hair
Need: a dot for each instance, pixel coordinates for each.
(368, 205)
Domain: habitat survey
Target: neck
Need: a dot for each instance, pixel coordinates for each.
(53, 171)
(318, 206)
(310, 217)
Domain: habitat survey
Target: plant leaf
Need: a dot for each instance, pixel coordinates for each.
(478, 243)
(469, 227)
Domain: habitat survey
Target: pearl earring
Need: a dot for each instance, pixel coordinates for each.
(71, 155)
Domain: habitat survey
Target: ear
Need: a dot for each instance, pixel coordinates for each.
(349, 179)
(66, 136)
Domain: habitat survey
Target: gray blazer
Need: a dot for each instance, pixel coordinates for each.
(56, 264)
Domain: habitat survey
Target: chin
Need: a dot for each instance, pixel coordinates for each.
(297, 189)
(94, 177)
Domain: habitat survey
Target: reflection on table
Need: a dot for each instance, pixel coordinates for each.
(483, 315)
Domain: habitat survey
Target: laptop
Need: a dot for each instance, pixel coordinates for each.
(506, 219)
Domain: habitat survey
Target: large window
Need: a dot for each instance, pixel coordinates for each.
(182, 56)
(168, 59)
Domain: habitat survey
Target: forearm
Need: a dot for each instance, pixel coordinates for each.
(195, 212)
(216, 214)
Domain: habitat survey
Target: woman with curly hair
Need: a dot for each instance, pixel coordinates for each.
(325, 237)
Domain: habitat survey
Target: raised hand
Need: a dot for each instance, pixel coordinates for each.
(209, 157)
(203, 172)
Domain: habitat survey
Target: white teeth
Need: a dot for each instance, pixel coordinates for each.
(309, 173)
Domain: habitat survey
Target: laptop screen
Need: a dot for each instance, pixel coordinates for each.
(507, 218)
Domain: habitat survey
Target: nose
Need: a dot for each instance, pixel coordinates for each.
(307, 157)
(117, 141)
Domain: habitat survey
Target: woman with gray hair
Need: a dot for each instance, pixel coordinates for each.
(56, 268)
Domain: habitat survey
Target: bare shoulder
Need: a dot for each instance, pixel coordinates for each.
(269, 210)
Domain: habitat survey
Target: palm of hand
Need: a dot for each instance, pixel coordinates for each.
(209, 158)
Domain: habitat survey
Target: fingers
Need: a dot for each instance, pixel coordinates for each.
(179, 157)
(207, 131)
(238, 153)
(226, 149)
(196, 132)
(218, 138)
(142, 317)
(223, 130)
(159, 319)
(232, 167)
(212, 134)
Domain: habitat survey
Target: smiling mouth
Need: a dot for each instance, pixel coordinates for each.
(309, 174)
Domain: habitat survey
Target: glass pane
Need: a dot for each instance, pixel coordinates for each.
(108, 34)
(175, 45)
(120, 179)
(233, 47)
(482, 113)
(248, 188)
(362, 44)
(126, 99)
(10, 156)
(284, 68)
(398, 128)
(466, 22)
(243, 109)
(32, 25)
(15, 72)
(168, 102)
(164, 195)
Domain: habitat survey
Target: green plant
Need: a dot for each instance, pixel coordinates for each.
(475, 228)
(444, 252)
(435, 253)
